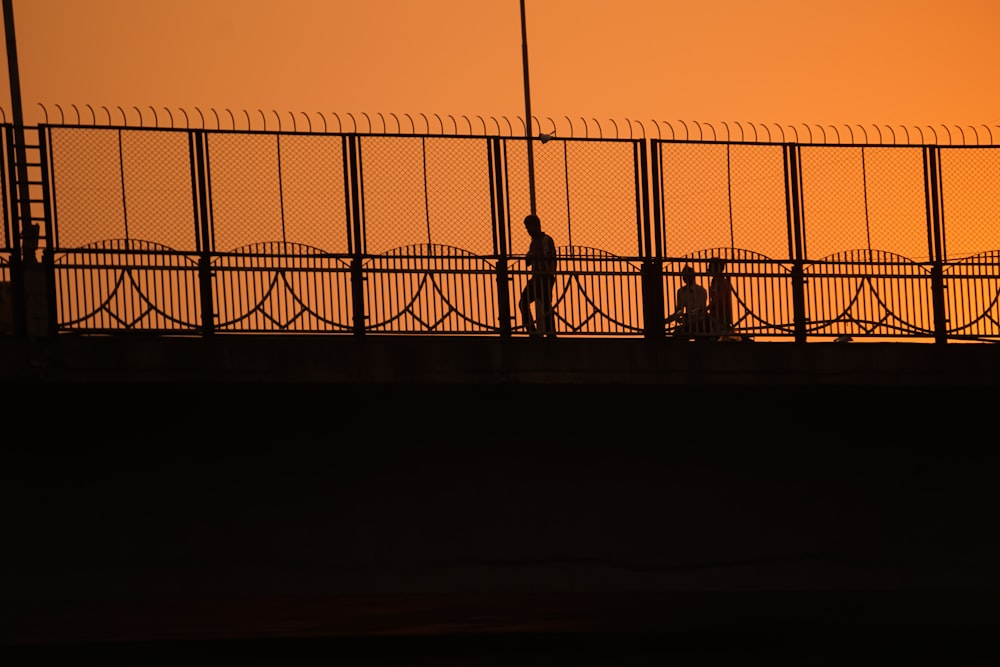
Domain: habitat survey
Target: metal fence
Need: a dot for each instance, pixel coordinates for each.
(194, 231)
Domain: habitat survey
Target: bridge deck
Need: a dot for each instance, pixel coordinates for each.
(475, 501)
(465, 359)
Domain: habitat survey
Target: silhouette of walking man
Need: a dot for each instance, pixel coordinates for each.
(541, 259)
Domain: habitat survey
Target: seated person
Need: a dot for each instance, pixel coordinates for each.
(690, 308)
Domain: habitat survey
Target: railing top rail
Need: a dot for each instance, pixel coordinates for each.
(566, 127)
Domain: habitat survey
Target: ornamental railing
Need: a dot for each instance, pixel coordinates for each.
(199, 232)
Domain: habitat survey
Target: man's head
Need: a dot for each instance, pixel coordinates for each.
(716, 266)
(532, 224)
(687, 274)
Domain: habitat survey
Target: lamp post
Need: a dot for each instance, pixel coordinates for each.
(25, 233)
(23, 213)
(527, 112)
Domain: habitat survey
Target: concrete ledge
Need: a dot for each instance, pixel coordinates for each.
(439, 359)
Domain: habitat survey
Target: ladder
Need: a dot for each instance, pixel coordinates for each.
(28, 178)
(32, 192)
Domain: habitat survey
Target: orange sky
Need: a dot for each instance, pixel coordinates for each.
(895, 62)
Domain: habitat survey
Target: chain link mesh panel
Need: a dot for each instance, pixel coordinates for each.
(757, 199)
(245, 190)
(87, 172)
(584, 194)
(314, 206)
(723, 196)
(156, 170)
(896, 201)
(601, 209)
(395, 201)
(550, 199)
(969, 177)
(833, 200)
(862, 198)
(458, 194)
(427, 191)
(695, 201)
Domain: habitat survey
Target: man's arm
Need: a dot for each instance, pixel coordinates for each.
(678, 309)
(532, 254)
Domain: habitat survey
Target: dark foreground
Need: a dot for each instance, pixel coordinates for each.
(276, 524)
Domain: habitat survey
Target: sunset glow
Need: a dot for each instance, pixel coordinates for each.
(887, 62)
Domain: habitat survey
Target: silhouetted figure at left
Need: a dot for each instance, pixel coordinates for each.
(541, 259)
(690, 307)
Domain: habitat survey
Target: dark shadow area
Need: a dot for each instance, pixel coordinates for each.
(488, 524)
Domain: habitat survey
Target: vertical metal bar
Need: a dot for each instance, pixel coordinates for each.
(569, 219)
(121, 181)
(527, 111)
(932, 190)
(197, 142)
(18, 174)
(651, 276)
(48, 255)
(19, 319)
(353, 176)
(6, 189)
(499, 204)
(281, 188)
(427, 203)
(864, 186)
(640, 157)
(793, 206)
(656, 206)
(729, 194)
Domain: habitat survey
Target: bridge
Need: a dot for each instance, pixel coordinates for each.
(267, 396)
(180, 231)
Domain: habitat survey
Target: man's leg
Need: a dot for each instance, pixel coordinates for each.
(524, 305)
(546, 314)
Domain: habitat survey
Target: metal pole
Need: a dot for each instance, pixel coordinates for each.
(24, 213)
(21, 213)
(527, 112)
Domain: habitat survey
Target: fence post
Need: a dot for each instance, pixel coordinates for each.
(353, 189)
(935, 241)
(498, 202)
(203, 213)
(796, 244)
(652, 298)
(48, 254)
(13, 298)
(647, 168)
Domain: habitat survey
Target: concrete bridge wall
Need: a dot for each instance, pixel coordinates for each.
(456, 359)
(233, 489)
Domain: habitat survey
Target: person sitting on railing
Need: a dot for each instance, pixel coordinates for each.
(720, 301)
(541, 258)
(690, 308)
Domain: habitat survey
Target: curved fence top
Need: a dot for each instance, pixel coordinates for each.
(543, 127)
